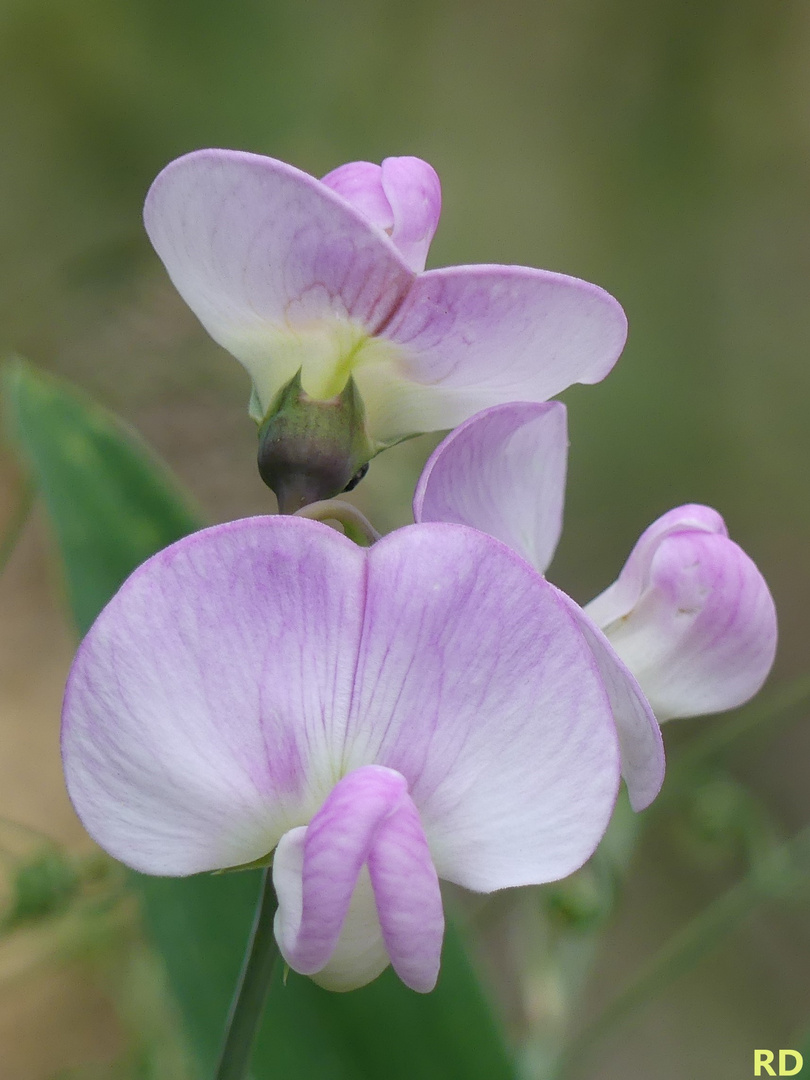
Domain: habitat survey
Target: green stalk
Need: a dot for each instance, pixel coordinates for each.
(355, 524)
(252, 988)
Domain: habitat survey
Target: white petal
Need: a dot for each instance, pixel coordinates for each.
(469, 337)
(241, 672)
(205, 709)
(279, 269)
(503, 472)
(619, 598)
(360, 954)
(475, 683)
(642, 747)
(702, 637)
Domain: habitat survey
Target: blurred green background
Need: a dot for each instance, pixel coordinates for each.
(661, 150)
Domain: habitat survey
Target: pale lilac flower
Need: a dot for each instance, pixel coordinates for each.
(690, 614)
(426, 708)
(327, 276)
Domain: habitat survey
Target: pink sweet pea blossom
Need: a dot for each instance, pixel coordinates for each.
(426, 708)
(690, 614)
(327, 277)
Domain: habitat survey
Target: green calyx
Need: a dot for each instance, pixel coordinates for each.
(311, 450)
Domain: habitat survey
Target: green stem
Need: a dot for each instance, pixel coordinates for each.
(774, 877)
(355, 525)
(17, 523)
(251, 991)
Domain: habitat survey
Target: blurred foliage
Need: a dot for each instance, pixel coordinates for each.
(60, 910)
(45, 886)
(783, 874)
(41, 881)
(111, 503)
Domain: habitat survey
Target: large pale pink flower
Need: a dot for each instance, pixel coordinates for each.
(690, 614)
(327, 276)
(427, 708)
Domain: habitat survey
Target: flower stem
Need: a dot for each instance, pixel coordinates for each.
(252, 988)
(356, 525)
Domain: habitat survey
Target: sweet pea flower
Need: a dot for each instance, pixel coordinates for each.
(326, 277)
(380, 718)
(690, 614)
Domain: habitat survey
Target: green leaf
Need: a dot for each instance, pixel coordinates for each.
(110, 502)
(385, 1030)
(112, 505)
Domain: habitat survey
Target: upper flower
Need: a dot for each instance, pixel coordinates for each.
(325, 277)
(425, 708)
(690, 614)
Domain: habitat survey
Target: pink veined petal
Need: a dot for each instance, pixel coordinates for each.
(291, 273)
(475, 336)
(503, 472)
(409, 902)
(702, 636)
(336, 845)
(240, 672)
(359, 955)
(368, 818)
(403, 197)
(205, 703)
(272, 261)
(414, 194)
(360, 183)
(476, 684)
(642, 748)
(619, 598)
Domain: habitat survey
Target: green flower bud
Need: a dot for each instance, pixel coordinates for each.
(311, 450)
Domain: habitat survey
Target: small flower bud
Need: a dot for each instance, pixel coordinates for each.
(311, 450)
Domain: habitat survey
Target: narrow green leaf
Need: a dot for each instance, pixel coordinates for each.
(112, 505)
(388, 1031)
(110, 502)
